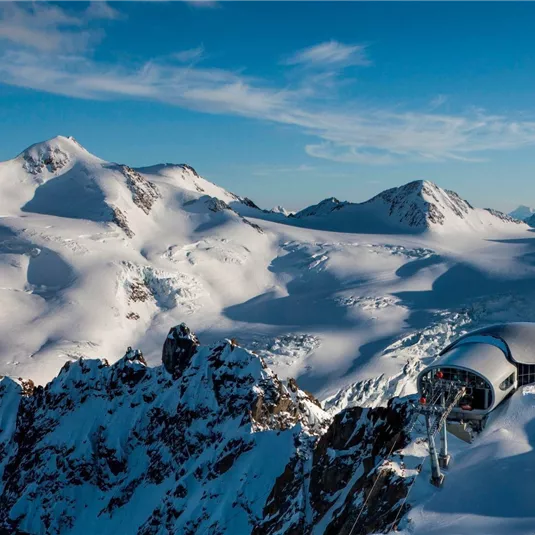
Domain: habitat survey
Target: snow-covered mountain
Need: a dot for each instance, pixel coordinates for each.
(323, 208)
(210, 442)
(60, 178)
(414, 207)
(522, 212)
(97, 256)
(91, 249)
(281, 210)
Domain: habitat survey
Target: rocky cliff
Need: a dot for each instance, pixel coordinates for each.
(210, 442)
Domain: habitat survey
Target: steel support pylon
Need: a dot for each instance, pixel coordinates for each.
(444, 457)
(437, 477)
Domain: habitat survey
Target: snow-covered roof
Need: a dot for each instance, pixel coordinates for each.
(486, 359)
(519, 339)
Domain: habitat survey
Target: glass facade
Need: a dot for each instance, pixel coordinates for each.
(526, 374)
(478, 394)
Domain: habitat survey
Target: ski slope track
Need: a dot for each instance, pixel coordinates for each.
(350, 299)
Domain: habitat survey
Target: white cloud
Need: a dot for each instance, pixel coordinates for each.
(50, 28)
(438, 101)
(100, 9)
(330, 53)
(344, 134)
(342, 130)
(189, 55)
(41, 26)
(202, 3)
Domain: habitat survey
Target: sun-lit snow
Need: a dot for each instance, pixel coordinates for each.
(95, 256)
(351, 299)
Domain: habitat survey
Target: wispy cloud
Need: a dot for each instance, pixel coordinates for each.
(189, 55)
(48, 28)
(40, 26)
(438, 101)
(343, 130)
(202, 3)
(270, 170)
(330, 54)
(100, 9)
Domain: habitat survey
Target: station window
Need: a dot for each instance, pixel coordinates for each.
(508, 383)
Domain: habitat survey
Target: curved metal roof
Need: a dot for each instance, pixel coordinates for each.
(519, 338)
(485, 359)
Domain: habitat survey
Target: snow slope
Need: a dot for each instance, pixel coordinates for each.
(96, 256)
(93, 253)
(490, 486)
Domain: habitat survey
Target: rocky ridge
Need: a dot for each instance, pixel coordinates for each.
(419, 205)
(210, 442)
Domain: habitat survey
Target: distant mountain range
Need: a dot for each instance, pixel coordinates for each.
(522, 212)
(59, 177)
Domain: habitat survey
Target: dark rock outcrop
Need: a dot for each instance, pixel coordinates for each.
(345, 469)
(178, 349)
(144, 192)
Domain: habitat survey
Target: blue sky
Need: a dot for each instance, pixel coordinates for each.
(284, 102)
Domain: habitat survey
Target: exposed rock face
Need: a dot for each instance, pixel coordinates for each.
(217, 205)
(211, 442)
(504, 217)
(48, 158)
(422, 204)
(328, 487)
(144, 192)
(180, 345)
(190, 169)
(119, 218)
(248, 202)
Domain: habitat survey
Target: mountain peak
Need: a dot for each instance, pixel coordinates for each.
(417, 206)
(52, 155)
(322, 208)
(523, 212)
(67, 143)
(422, 204)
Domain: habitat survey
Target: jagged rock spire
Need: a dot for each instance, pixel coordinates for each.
(180, 345)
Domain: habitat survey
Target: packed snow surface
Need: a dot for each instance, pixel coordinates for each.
(489, 486)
